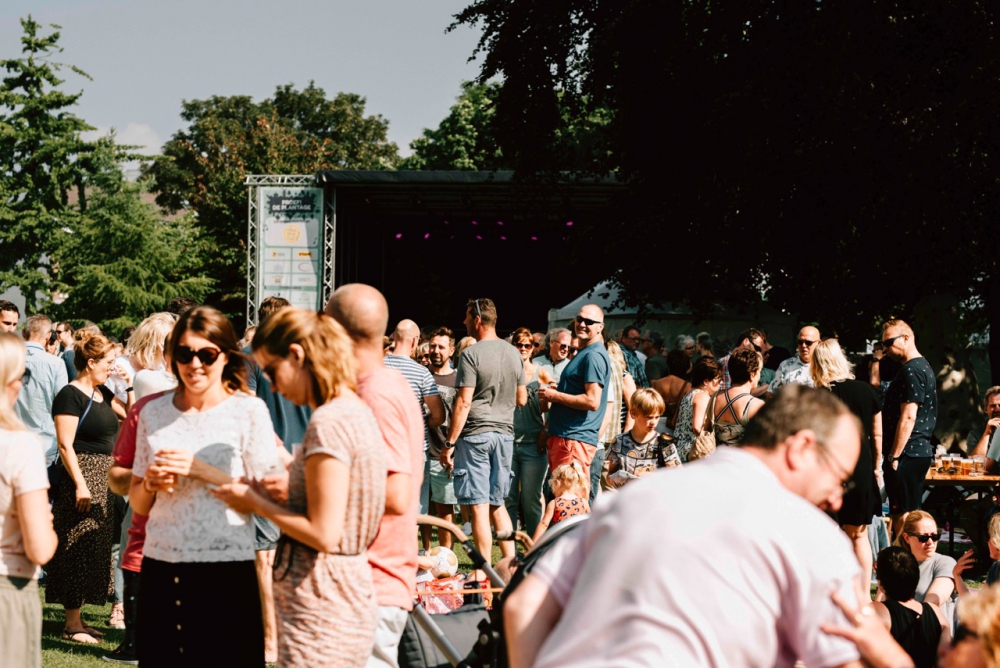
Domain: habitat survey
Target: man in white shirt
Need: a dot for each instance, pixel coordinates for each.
(795, 369)
(725, 562)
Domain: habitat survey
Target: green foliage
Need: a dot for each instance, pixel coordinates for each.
(41, 159)
(838, 157)
(464, 140)
(296, 132)
(123, 262)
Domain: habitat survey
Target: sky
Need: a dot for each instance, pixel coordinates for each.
(146, 56)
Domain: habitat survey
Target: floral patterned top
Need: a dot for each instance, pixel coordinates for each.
(684, 436)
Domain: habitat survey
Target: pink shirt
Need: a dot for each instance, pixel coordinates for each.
(712, 564)
(393, 553)
(124, 455)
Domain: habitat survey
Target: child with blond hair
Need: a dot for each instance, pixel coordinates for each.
(641, 450)
(572, 489)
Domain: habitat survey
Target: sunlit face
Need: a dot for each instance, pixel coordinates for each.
(922, 529)
(589, 324)
(896, 348)
(993, 406)
(559, 346)
(631, 338)
(833, 465)
(806, 342)
(525, 347)
(648, 422)
(101, 369)
(471, 319)
(196, 376)
(8, 321)
(440, 350)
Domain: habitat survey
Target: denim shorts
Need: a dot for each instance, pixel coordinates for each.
(482, 468)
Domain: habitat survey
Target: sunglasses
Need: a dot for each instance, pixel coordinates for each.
(524, 345)
(185, 355)
(924, 537)
(756, 347)
(889, 342)
(587, 321)
(478, 312)
(806, 342)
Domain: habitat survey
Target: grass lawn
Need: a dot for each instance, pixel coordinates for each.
(59, 653)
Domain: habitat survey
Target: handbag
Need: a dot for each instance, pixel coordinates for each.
(57, 472)
(704, 444)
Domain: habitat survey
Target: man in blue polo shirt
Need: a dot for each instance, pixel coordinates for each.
(579, 402)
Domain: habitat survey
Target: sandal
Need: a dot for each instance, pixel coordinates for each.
(92, 631)
(82, 637)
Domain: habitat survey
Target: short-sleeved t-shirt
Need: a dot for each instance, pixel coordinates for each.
(96, 433)
(759, 599)
(937, 566)
(393, 553)
(591, 365)
(22, 470)
(793, 371)
(494, 368)
(420, 379)
(914, 383)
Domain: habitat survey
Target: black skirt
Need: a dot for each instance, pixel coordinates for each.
(200, 614)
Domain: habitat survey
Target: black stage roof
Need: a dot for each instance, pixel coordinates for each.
(432, 239)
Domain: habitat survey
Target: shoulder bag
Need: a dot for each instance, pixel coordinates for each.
(57, 472)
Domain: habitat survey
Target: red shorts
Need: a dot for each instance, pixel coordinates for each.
(564, 450)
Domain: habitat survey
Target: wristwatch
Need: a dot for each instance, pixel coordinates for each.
(448, 445)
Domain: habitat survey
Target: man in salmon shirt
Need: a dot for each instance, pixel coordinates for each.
(364, 313)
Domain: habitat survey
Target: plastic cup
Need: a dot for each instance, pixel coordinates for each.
(978, 465)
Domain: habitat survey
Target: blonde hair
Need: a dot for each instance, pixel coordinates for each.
(912, 519)
(615, 352)
(982, 614)
(829, 364)
(897, 324)
(571, 478)
(328, 349)
(646, 402)
(460, 348)
(149, 339)
(89, 345)
(993, 529)
(420, 350)
(12, 356)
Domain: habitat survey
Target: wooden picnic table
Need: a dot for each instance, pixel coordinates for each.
(979, 484)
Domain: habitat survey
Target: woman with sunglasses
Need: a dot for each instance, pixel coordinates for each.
(199, 554)
(920, 535)
(530, 463)
(323, 591)
(25, 520)
(86, 416)
(831, 370)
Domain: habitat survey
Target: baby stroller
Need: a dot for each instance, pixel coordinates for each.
(471, 636)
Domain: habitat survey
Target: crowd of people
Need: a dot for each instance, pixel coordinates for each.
(273, 485)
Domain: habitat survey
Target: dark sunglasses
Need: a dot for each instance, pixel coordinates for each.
(524, 345)
(574, 350)
(587, 321)
(889, 342)
(756, 347)
(185, 355)
(924, 537)
(805, 342)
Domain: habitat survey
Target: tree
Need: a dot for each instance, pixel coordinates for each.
(42, 158)
(838, 158)
(464, 140)
(123, 261)
(202, 167)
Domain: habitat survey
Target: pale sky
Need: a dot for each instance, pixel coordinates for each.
(147, 56)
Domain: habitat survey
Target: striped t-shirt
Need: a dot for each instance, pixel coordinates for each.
(421, 382)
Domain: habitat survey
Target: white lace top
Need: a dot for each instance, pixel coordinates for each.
(191, 525)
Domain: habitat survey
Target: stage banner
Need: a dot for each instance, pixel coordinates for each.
(291, 245)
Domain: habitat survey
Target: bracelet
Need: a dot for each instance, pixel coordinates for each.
(129, 389)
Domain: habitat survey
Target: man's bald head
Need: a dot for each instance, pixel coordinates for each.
(362, 310)
(406, 330)
(806, 343)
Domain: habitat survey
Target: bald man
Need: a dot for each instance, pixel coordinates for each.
(579, 401)
(795, 370)
(406, 337)
(363, 312)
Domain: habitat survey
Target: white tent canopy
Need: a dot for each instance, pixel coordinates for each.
(725, 322)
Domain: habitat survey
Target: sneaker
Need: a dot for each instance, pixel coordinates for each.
(122, 655)
(117, 618)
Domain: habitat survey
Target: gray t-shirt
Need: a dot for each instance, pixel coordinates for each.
(494, 368)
